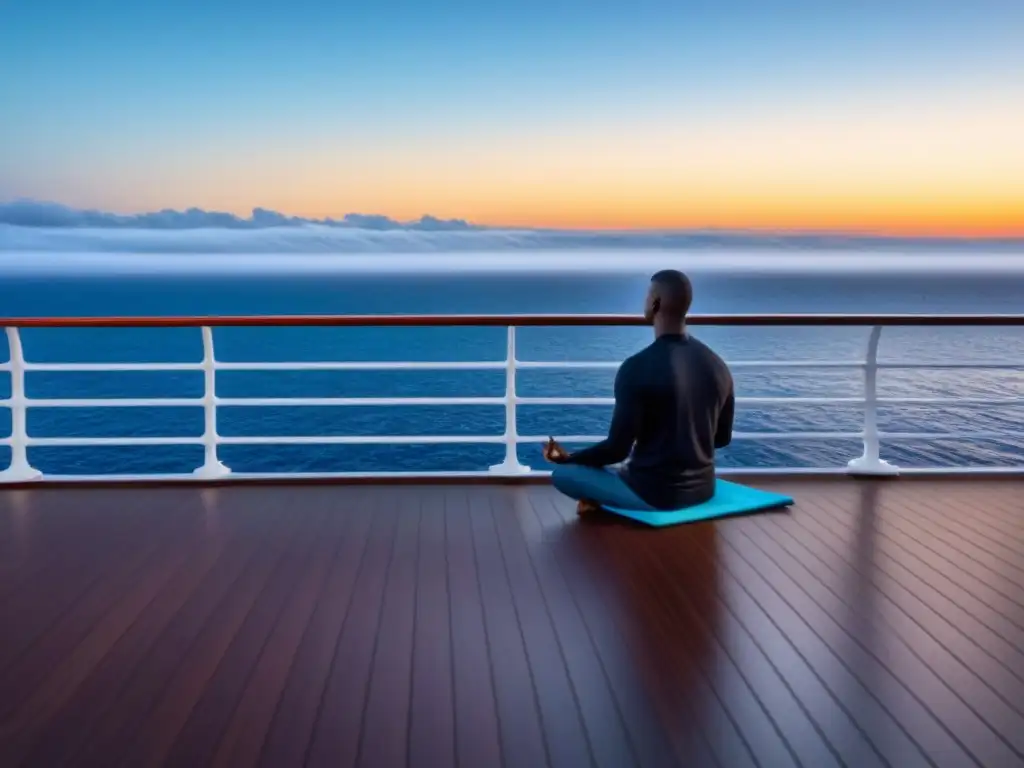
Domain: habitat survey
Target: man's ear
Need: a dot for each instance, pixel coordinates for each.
(655, 306)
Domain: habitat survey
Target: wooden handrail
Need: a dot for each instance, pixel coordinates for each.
(348, 321)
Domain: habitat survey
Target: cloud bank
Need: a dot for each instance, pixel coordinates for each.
(31, 226)
(31, 213)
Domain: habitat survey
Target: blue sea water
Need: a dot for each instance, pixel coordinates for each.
(24, 294)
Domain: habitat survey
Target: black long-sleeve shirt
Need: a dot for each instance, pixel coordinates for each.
(674, 405)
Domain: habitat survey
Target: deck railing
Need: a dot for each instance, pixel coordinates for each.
(212, 468)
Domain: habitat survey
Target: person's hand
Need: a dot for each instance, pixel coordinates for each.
(555, 453)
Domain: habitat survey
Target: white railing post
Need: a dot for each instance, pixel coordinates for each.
(870, 463)
(510, 465)
(212, 466)
(19, 470)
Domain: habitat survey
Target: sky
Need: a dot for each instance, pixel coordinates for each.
(878, 116)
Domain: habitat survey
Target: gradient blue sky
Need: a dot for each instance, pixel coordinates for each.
(902, 115)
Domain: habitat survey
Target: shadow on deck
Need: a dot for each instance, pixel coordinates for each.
(876, 623)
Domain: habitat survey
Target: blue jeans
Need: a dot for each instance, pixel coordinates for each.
(601, 486)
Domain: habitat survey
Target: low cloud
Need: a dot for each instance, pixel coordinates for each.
(32, 213)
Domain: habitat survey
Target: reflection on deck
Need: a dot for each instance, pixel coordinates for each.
(876, 623)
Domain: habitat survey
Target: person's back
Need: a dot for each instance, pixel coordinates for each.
(683, 394)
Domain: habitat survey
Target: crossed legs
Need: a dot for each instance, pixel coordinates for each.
(595, 487)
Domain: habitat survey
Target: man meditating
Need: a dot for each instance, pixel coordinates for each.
(674, 406)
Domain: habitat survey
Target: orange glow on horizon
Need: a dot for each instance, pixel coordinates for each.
(977, 219)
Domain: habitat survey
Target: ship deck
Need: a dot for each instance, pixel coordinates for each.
(875, 623)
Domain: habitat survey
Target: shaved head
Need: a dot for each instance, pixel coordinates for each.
(669, 297)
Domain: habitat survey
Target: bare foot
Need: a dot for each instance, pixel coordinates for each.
(587, 508)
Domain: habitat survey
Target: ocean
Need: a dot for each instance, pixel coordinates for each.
(24, 292)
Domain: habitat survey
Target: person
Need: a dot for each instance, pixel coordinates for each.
(674, 405)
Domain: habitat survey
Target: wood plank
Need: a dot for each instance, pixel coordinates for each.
(855, 682)
(936, 522)
(741, 661)
(187, 654)
(523, 740)
(833, 720)
(72, 574)
(44, 532)
(557, 699)
(733, 713)
(959, 633)
(628, 666)
(243, 739)
(140, 653)
(953, 694)
(432, 702)
(914, 587)
(208, 681)
(904, 560)
(874, 624)
(335, 740)
(601, 713)
(648, 649)
(384, 736)
(291, 730)
(234, 687)
(477, 730)
(43, 683)
(910, 689)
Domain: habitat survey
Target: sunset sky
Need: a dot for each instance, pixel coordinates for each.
(885, 116)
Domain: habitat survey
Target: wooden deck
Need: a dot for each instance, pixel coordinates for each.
(875, 624)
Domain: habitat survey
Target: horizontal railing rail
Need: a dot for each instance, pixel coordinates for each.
(869, 463)
(522, 321)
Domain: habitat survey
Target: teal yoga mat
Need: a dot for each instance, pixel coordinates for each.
(729, 499)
